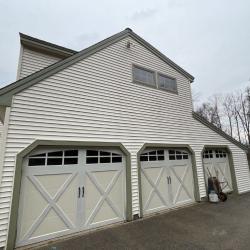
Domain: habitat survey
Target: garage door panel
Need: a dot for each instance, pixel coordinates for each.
(104, 214)
(52, 212)
(146, 191)
(104, 184)
(216, 164)
(166, 179)
(51, 224)
(224, 176)
(181, 184)
(209, 169)
(104, 178)
(154, 188)
(53, 182)
(189, 182)
(70, 208)
(155, 203)
(30, 207)
(92, 197)
(117, 194)
(183, 197)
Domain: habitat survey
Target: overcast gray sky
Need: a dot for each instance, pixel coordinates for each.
(209, 39)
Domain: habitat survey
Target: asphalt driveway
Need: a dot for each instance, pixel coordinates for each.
(203, 226)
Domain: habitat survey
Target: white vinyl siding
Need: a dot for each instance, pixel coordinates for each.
(32, 61)
(1, 142)
(1, 132)
(97, 100)
(2, 136)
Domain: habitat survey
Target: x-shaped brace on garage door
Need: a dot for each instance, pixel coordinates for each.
(51, 204)
(223, 174)
(181, 184)
(154, 188)
(104, 196)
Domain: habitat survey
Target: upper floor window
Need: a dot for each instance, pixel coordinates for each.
(208, 154)
(167, 83)
(142, 75)
(220, 153)
(148, 77)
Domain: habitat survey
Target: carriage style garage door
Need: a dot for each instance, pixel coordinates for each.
(68, 190)
(166, 179)
(216, 164)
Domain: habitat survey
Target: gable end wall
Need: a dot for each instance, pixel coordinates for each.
(33, 60)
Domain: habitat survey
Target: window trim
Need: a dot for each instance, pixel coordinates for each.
(170, 77)
(141, 82)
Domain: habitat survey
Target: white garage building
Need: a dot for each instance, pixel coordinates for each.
(101, 136)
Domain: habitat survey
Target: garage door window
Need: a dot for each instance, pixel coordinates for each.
(156, 155)
(62, 157)
(220, 154)
(177, 155)
(37, 160)
(99, 156)
(208, 154)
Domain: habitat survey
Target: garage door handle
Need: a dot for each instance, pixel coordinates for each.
(82, 191)
(79, 192)
(168, 179)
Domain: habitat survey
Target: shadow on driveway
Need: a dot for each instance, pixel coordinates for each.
(203, 226)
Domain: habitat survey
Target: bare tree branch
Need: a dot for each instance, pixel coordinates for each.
(230, 113)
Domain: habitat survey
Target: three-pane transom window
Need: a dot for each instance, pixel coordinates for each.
(99, 156)
(220, 154)
(62, 157)
(155, 155)
(177, 155)
(208, 154)
(143, 76)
